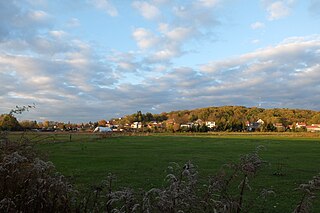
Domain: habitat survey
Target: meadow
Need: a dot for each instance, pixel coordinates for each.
(142, 161)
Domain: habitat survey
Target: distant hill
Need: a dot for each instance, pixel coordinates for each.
(231, 116)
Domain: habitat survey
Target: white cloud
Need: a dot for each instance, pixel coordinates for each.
(179, 34)
(278, 9)
(182, 21)
(146, 9)
(124, 62)
(163, 27)
(257, 25)
(159, 2)
(164, 55)
(74, 22)
(106, 6)
(41, 80)
(255, 41)
(292, 50)
(38, 16)
(279, 74)
(19, 22)
(57, 33)
(145, 38)
(165, 46)
(282, 73)
(208, 3)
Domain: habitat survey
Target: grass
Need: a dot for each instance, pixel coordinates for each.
(141, 162)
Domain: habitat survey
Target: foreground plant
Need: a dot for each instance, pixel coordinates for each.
(309, 191)
(225, 191)
(29, 184)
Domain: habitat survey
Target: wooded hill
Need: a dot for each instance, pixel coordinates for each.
(231, 117)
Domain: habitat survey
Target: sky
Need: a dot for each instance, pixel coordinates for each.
(87, 60)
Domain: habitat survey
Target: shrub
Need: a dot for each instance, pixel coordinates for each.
(29, 184)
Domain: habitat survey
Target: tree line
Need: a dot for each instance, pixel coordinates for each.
(227, 118)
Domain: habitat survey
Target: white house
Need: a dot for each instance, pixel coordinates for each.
(136, 125)
(187, 125)
(255, 125)
(313, 128)
(301, 125)
(210, 124)
(260, 121)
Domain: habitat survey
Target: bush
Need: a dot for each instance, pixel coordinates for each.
(29, 184)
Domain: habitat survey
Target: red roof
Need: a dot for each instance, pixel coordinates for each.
(312, 127)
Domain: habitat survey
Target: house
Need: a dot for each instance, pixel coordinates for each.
(280, 127)
(127, 126)
(298, 126)
(211, 124)
(187, 125)
(301, 125)
(260, 121)
(109, 124)
(136, 125)
(199, 122)
(255, 125)
(170, 122)
(117, 130)
(154, 124)
(313, 128)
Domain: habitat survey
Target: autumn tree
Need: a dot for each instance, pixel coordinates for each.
(315, 119)
(139, 116)
(162, 117)
(9, 122)
(26, 124)
(46, 124)
(148, 117)
(193, 117)
(102, 123)
(61, 126)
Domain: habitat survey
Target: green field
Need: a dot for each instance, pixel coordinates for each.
(141, 162)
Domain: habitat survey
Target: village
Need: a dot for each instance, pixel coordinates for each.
(211, 119)
(202, 126)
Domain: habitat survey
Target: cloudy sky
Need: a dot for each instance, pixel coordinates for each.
(85, 60)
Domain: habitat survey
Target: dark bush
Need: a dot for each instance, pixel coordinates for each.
(29, 184)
